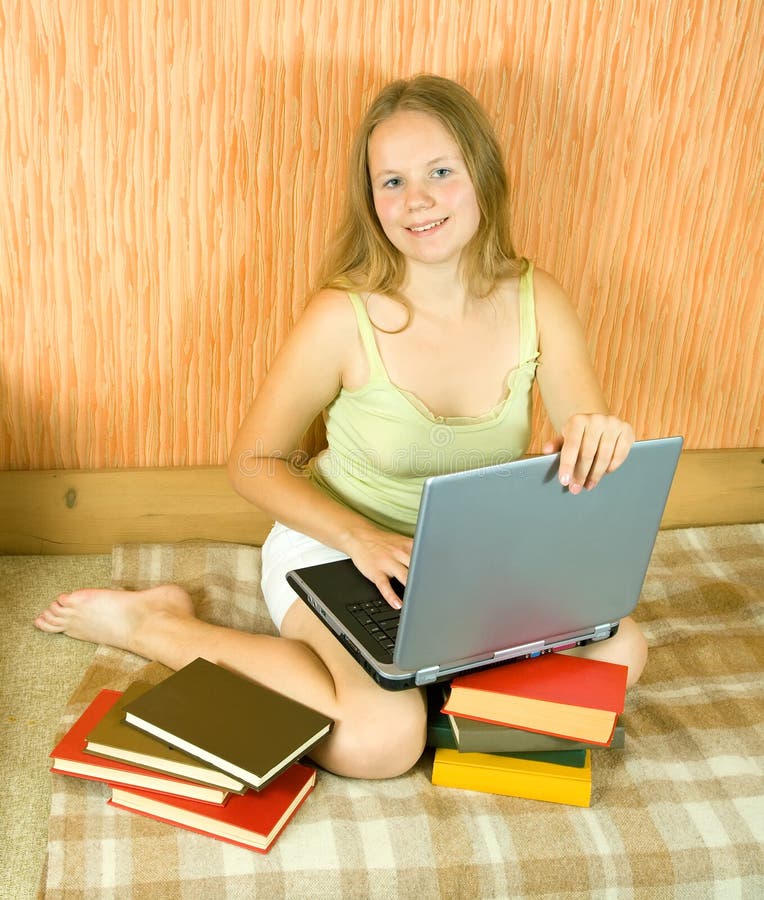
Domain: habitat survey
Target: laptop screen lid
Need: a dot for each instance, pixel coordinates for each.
(506, 564)
(505, 557)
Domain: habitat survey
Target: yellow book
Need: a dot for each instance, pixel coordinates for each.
(514, 777)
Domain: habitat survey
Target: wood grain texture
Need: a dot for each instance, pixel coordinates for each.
(170, 173)
(88, 512)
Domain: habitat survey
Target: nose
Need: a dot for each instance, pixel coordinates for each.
(418, 197)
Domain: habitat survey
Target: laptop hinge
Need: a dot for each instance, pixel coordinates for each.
(602, 631)
(427, 675)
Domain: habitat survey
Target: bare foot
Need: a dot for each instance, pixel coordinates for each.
(113, 617)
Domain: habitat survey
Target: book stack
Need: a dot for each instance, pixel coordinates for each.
(527, 729)
(206, 749)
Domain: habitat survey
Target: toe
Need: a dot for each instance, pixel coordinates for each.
(45, 622)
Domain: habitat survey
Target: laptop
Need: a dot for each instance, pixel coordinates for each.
(506, 564)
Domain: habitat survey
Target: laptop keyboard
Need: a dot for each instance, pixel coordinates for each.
(379, 620)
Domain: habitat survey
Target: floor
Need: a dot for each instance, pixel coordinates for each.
(38, 673)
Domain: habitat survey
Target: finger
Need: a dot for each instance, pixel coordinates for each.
(571, 445)
(622, 449)
(577, 469)
(404, 558)
(395, 570)
(600, 464)
(552, 446)
(587, 455)
(614, 448)
(386, 589)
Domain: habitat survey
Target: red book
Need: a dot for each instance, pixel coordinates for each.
(566, 696)
(69, 758)
(252, 820)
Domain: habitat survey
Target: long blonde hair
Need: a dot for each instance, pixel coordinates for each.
(361, 257)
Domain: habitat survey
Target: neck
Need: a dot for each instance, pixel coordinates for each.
(437, 289)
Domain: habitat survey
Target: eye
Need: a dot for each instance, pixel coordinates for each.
(441, 172)
(391, 183)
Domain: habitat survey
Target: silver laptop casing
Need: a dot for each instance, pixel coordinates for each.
(507, 564)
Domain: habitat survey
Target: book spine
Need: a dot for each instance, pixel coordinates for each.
(527, 787)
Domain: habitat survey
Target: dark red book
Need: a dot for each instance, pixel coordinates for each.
(69, 758)
(565, 696)
(252, 820)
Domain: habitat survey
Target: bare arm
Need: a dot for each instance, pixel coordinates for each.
(593, 442)
(305, 377)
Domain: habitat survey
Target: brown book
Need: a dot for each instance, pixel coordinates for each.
(228, 721)
(113, 739)
(69, 758)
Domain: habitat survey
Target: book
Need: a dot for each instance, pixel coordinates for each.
(474, 736)
(441, 734)
(228, 721)
(512, 777)
(69, 758)
(253, 820)
(574, 758)
(439, 731)
(566, 696)
(112, 738)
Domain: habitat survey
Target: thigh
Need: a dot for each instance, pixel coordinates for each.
(352, 682)
(286, 549)
(377, 733)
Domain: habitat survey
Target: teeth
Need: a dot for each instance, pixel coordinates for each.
(428, 227)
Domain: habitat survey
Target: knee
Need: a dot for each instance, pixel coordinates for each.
(379, 740)
(627, 647)
(633, 650)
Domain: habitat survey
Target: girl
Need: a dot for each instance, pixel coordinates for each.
(421, 349)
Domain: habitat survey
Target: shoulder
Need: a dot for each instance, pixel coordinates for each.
(553, 306)
(328, 316)
(326, 337)
(329, 308)
(547, 290)
(548, 295)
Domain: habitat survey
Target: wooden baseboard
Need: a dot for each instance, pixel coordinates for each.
(88, 512)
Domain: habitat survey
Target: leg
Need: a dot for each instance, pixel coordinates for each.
(377, 733)
(627, 647)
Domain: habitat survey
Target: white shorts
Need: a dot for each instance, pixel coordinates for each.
(285, 549)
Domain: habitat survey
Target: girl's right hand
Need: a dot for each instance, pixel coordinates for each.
(380, 555)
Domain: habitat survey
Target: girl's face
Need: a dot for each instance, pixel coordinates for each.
(423, 194)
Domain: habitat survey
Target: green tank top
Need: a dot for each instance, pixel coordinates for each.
(383, 441)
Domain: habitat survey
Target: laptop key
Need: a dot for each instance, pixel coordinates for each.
(386, 615)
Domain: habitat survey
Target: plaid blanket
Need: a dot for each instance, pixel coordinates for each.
(679, 812)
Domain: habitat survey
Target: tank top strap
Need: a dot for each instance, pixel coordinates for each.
(366, 331)
(529, 343)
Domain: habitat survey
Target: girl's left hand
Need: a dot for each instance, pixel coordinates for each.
(590, 445)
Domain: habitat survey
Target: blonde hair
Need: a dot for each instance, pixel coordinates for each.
(361, 257)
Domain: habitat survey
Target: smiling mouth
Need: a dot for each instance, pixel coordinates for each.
(420, 229)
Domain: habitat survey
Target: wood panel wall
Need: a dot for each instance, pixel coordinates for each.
(170, 172)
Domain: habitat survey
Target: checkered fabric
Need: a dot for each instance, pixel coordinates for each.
(678, 813)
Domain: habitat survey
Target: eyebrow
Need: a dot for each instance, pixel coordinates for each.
(432, 162)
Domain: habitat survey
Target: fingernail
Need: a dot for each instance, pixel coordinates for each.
(575, 489)
(565, 480)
